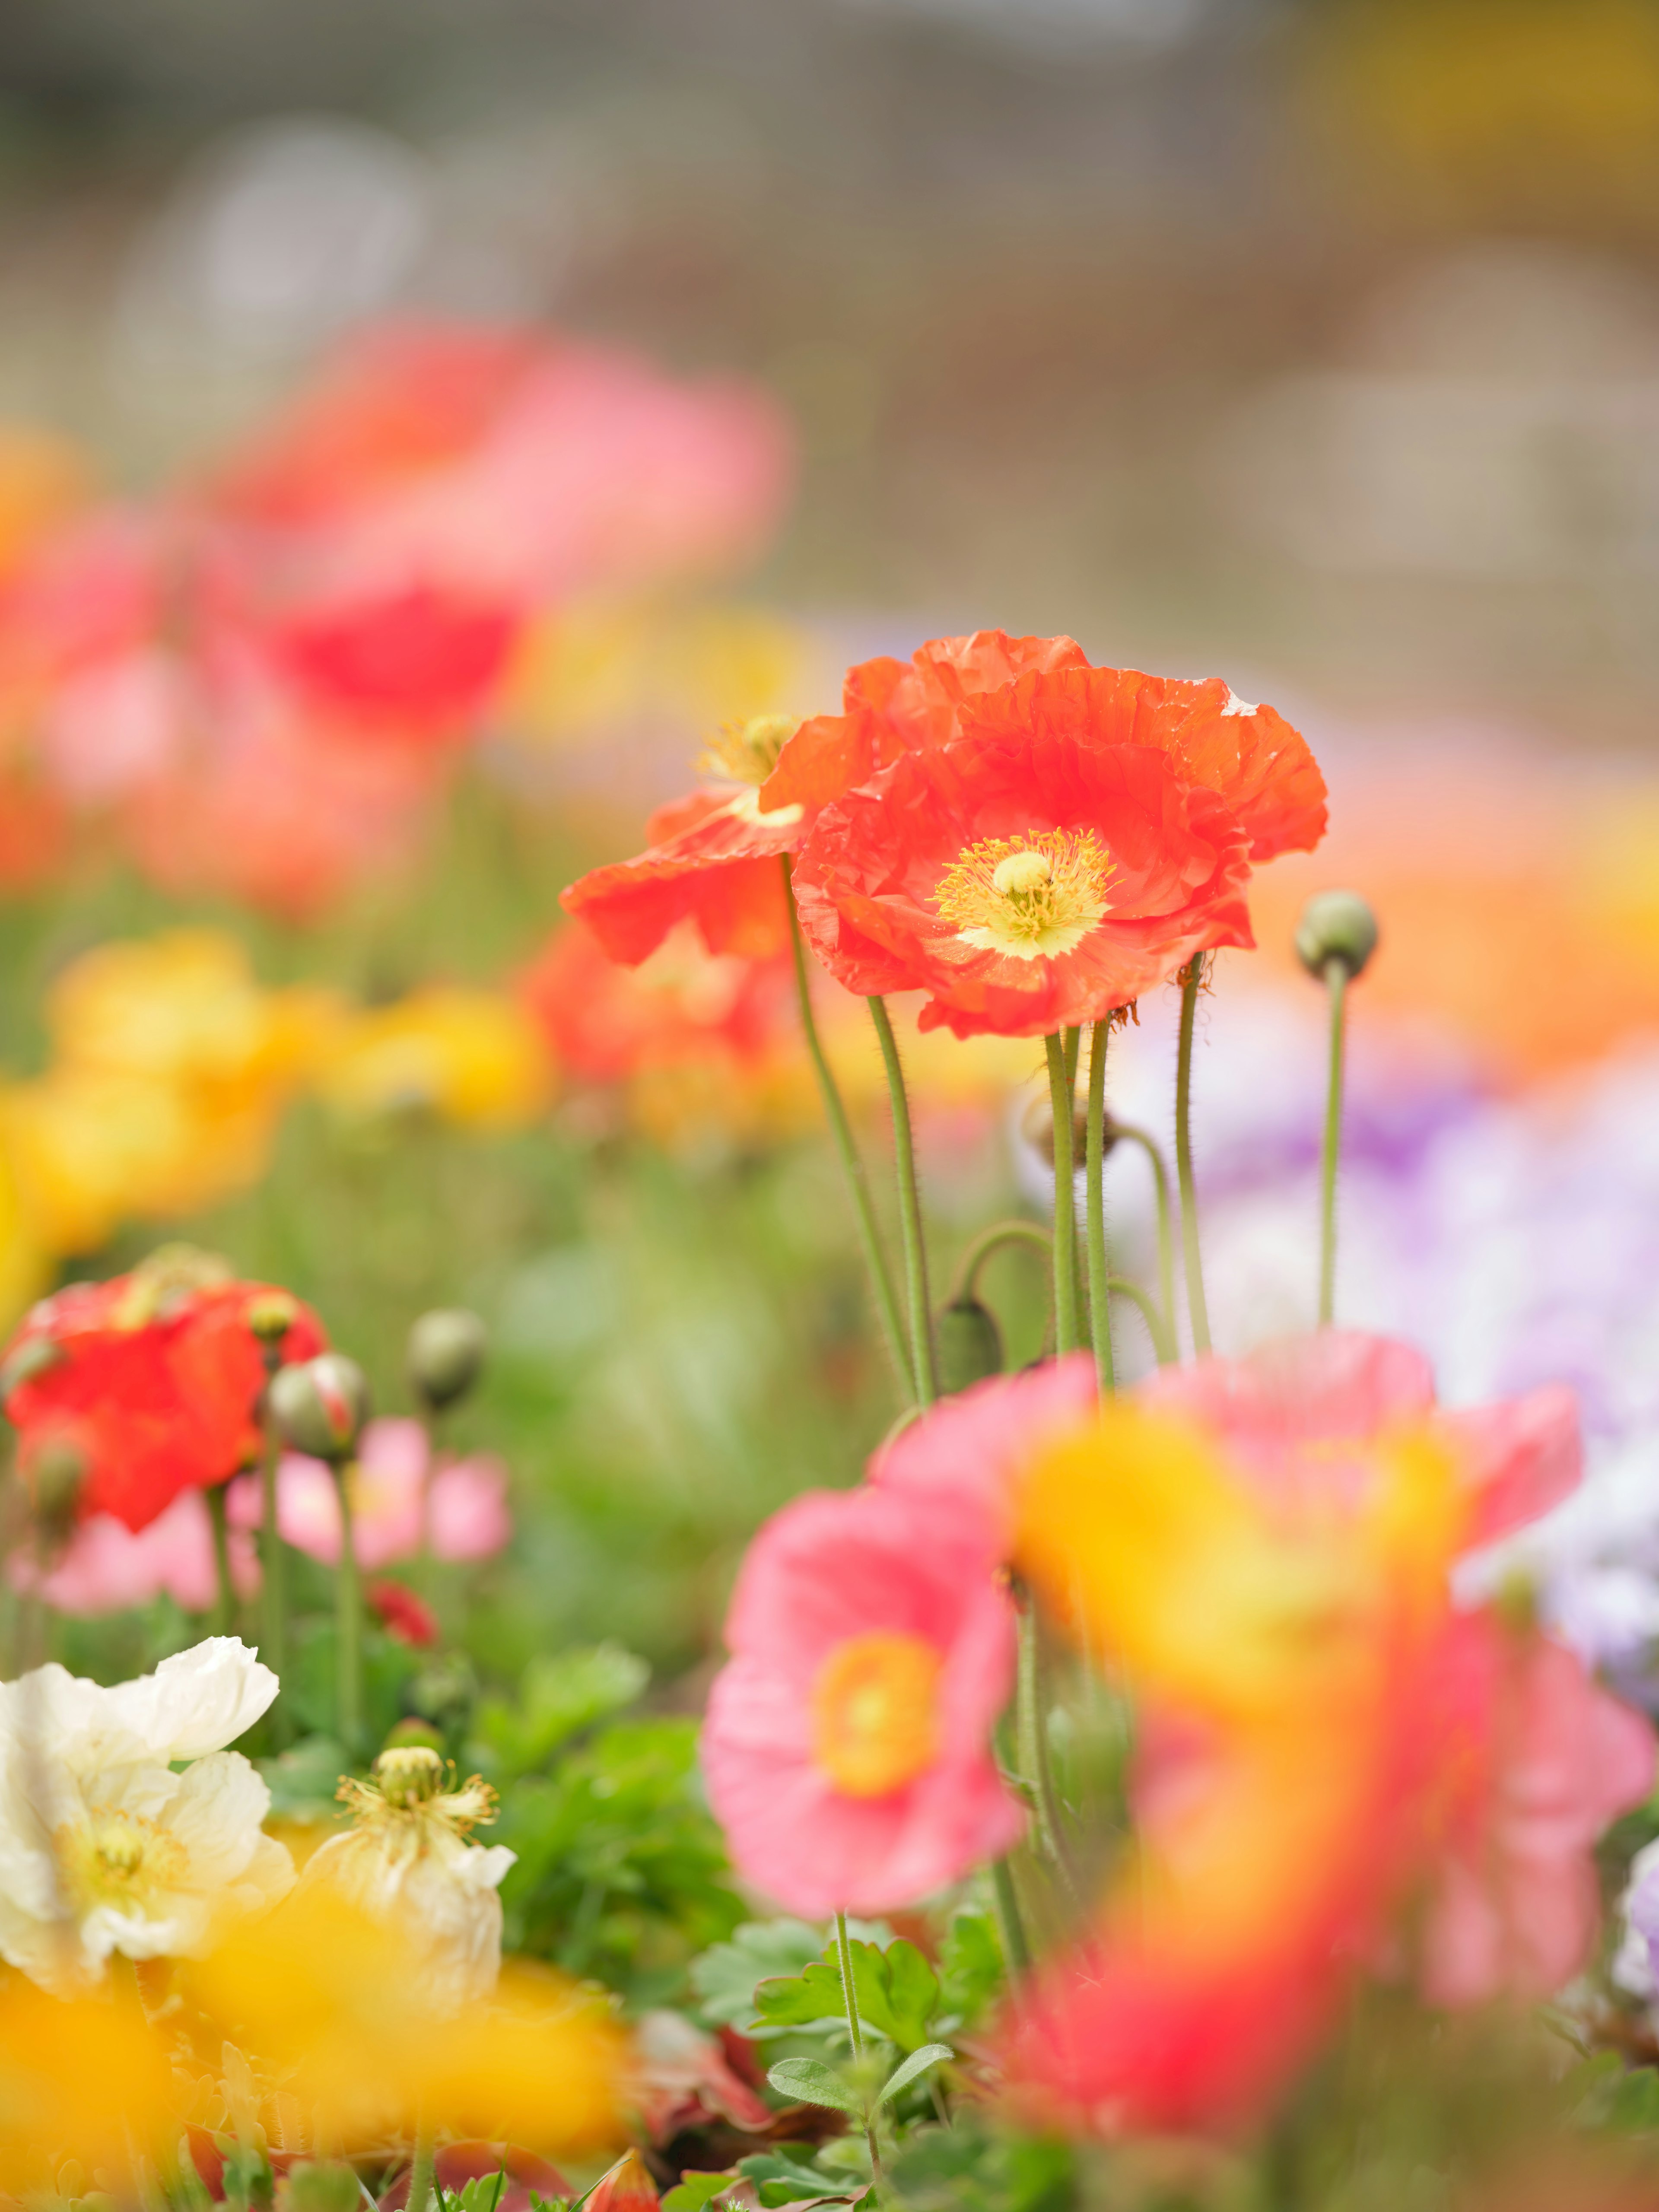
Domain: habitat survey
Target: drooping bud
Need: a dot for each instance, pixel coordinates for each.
(1336, 926)
(54, 1466)
(309, 2186)
(320, 1405)
(446, 1355)
(969, 1344)
(1036, 1126)
(409, 1774)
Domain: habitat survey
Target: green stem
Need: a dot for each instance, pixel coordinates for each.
(1068, 1334)
(420, 2172)
(1031, 1741)
(849, 2000)
(991, 1240)
(1336, 979)
(273, 1558)
(1159, 1328)
(1165, 1217)
(1094, 1159)
(1016, 1951)
(224, 1603)
(841, 1129)
(1192, 976)
(348, 1600)
(915, 1246)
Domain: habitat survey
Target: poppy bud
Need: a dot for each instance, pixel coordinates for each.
(445, 1353)
(1336, 926)
(969, 1344)
(272, 1314)
(319, 1406)
(409, 1774)
(1038, 1128)
(309, 2186)
(29, 1362)
(55, 1469)
(628, 2187)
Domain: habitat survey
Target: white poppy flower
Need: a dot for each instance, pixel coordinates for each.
(103, 1847)
(408, 1864)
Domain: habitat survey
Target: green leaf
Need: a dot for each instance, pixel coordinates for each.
(796, 2001)
(971, 1972)
(897, 1993)
(726, 1975)
(693, 2191)
(560, 1693)
(780, 2179)
(908, 1995)
(808, 2082)
(1633, 2106)
(918, 2062)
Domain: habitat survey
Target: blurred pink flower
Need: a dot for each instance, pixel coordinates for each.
(105, 1566)
(1285, 1411)
(847, 1745)
(965, 1456)
(467, 1502)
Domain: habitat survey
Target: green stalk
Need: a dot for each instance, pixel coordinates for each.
(849, 2000)
(1016, 1951)
(1161, 1330)
(1166, 1223)
(841, 1129)
(224, 1602)
(1032, 1741)
(1067, 1333)
(991, 1240)
(1192, 977)
(348, 1602)
(1336, 980)
(273, 1556)
(915, 1246)
(420, 2172)
(1094, 1160)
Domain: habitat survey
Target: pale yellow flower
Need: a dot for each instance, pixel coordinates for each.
(472, 1057)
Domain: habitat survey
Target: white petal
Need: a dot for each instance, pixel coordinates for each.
(197, 1701)
(215, 1815)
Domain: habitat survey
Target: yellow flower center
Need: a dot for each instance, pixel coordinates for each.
(1027, 897)
(875, 1712)
(119, 1859)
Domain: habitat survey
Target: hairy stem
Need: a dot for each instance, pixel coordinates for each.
(849, 2000)
(348, 1602)
(1192, 977)
(1158, 1327)
(420, 2172)
(1016, 1951)
(915, 1244)
(1094, 1161)
(1068, 1334)
(1031, 1741)
(841, 1129)
(991, 1240)
(1336, 979)
(224, 1600)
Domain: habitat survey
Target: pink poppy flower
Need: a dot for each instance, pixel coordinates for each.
(847, 1745)
(466, 1501)
(105, 1567)
(965, 1455)
(1285, 1411)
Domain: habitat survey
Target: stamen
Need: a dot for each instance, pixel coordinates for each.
(747, 751)
(1028, 898)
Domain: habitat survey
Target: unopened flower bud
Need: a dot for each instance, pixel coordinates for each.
(55, 1469)
(410, 1732)
(309, 2186)
(320, 1405)
(969, 1344)
(1038, 1128)
(1336, 926)
(28, 1363)
(445, 1354)
(272, 1314)
(409, 1774)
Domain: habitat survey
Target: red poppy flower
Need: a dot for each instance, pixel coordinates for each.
(402, 1613)
(1074, 837)
(605, 1023)
(711, 858)
(155, 1378)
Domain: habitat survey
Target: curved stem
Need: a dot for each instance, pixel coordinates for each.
(841, 1129)
(849, 2001)
(1192, 976)
(991, 1240)
(1031, 1742)
(915, 1244)
(1067, 1333)
(1165, 1215)
(348, 1602)
(224, 1602)
(1336, 979)
(1094, 1157)
(1159, 1329)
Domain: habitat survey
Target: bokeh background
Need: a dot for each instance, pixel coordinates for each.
(1313, 344)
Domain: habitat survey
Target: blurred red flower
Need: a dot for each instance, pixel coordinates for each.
(153, 1379)
(605, 1023)
(402, 1613)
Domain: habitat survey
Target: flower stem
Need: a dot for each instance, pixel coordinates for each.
(1192, 977)
(347, 1616)
(915, 1246)
(1159, 1328)
(1165, 1223)
(835, 1112)
(991, 1240)
(849, 2000)
(1016, 1951)
(1068, 1334)
(1100, 1312)
(1031, 1741)
(224, 1602)
(420, 2172)
(1336, 980)
(273, 1562)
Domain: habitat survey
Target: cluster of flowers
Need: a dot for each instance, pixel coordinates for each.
(256, 682)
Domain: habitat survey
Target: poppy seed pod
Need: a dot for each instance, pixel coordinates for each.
(319, 1406)
(409, 1774)
(272, 1314)
(445, 1356)
(1336, 926)
(969, 1344)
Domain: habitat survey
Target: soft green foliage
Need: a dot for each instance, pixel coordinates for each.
(897, 1993)
(966, 2168)
(972, 1975)
(810, 2081)
(726, 1977)
(622, 1873)
(560, 1693)
(482, 2194)
(693, 2191)
(1608, 2094)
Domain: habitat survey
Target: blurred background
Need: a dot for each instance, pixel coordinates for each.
(1312, 342)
